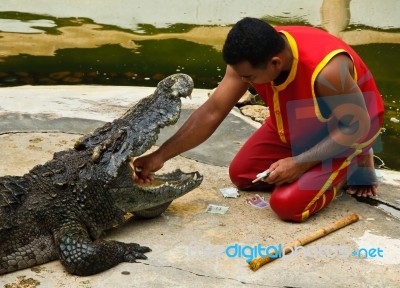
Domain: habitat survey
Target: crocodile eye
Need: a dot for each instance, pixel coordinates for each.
(169, 82)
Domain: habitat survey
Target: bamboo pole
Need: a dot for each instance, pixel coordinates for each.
(256, 263)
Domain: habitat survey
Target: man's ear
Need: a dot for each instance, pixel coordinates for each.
(276, 62)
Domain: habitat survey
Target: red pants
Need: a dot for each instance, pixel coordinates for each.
(313, 191)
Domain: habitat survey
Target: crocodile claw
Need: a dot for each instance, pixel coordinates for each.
(135, 251)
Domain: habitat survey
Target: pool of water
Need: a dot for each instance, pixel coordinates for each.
(138, 43)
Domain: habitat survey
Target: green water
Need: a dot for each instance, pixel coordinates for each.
(381, 60)
(114, 65)
(155, 59)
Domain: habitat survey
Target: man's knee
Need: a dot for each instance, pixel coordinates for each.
(235, 173)
(283, 203)
(243, 180)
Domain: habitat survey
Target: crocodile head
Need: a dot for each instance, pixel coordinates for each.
(113, 145)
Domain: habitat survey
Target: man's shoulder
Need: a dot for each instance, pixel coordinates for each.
(300, 28)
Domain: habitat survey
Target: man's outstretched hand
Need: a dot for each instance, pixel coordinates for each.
(145, 166)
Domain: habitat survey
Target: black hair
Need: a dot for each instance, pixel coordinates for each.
(252, 40)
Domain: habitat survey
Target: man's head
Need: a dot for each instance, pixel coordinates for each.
(254, 43)
(252, 40)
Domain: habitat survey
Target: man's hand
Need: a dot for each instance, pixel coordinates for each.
(286, 170)
(145, 166)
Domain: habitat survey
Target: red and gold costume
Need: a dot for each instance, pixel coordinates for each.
(299, 120)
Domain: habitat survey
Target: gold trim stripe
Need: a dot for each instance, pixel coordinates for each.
(333, 177)
(314, 76)
(366, 143)
(305, 215)
(334, 192)
(278, 88)
(293, 69)
(358, 149)
(323, 201)
(278, 116)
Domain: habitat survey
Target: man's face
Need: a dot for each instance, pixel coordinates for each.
(261, 75)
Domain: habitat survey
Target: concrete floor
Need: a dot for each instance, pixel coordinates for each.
(189, 244)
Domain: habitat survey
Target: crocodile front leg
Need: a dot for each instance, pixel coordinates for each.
(82, 256)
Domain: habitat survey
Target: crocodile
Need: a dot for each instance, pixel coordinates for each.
(61, 209)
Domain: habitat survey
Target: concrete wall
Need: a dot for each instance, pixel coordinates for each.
(160, 13)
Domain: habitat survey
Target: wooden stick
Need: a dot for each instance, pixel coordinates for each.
(256, 263)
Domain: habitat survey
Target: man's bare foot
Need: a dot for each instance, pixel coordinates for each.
(363, 181)
(362, 190)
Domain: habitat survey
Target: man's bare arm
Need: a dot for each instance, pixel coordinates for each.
(349, 119)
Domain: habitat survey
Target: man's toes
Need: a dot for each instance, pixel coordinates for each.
(374, 190)
(363, 191)
(351, 191)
